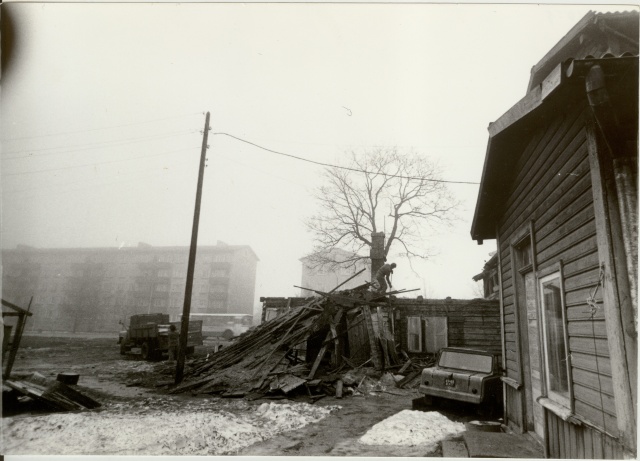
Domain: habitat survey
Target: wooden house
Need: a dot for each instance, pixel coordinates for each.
(558, 193)
(420, 327)
(424, 326)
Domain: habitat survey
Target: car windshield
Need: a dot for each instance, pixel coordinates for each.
(467, 361)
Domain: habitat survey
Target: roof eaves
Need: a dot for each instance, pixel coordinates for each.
(565, 41)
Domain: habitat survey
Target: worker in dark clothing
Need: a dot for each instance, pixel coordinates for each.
(382, 277)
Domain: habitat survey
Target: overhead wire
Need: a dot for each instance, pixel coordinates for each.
(100, 128)
(93, 185)
(329, 165)
(99, 163)
(81, 147)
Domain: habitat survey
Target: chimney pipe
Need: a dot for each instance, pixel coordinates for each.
(377, 252)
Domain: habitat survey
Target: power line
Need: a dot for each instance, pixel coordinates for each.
(342, 167)
(117, 142)
(99, 163)
(93, 185)
(101, 128)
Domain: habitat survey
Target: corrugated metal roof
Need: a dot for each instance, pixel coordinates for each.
(595, 35)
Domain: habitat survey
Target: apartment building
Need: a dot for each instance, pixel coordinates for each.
(92, 289)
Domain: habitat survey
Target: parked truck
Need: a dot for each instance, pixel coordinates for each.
(150, 333)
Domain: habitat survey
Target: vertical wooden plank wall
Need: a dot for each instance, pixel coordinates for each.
(471, 323)
(552, 186)
(570, 441)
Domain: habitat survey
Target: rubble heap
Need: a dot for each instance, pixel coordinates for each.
(332, 342)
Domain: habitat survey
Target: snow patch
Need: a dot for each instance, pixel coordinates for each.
(186, 431)
(409, 428)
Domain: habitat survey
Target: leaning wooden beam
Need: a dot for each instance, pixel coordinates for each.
(375, 352)
(277, 346)
(383, 336)
(17, 336)
(323, 349)
(348, 280)
(16, 308)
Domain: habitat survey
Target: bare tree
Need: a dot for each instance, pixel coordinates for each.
(384, 190)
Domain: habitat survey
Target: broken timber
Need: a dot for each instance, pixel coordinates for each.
(265, 361)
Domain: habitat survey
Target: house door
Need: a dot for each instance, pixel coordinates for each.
(527, 308)
(533, 335)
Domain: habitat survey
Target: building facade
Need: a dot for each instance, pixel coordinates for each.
(319, 272)
(559, 194)
(93, 289)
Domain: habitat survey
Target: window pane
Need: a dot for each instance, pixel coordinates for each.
(466, 361)
(557, 374)
(414, 334)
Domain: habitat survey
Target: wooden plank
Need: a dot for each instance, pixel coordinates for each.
(582, 220)
(404, 367)
(554, 435)
(572, 205)
(593, 381)
(587, 439)
(375, 353)
(583, 279)
(587, 328)
(587, 362)
(598, 444)
(568, 177)
(316, 363)
(573, 441)
(568, 245)
(583, 312)
(336, 357)
(589, 346)
(562, 453)
(454, 449)
(569, 144)
(618, 311)
(588, 260)
(579, 438)
(596, 417)
(609, 449)
(500, 445)
(382, 336)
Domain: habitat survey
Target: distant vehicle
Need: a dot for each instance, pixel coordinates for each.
(465, 375)
(150, 332)
(223, 325)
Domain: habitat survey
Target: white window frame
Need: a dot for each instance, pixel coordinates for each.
(564, 400)
(431, 343)
(418, 321)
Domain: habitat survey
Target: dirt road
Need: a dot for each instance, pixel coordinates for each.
(134, 397)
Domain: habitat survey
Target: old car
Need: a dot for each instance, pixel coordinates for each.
(464, 375)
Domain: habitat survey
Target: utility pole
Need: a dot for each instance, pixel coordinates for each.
(186, 308)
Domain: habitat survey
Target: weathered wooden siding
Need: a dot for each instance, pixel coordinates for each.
(471, 323)
(552, 188)
(570, 441)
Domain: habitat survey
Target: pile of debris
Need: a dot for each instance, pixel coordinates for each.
(53, 395)
(334, 344)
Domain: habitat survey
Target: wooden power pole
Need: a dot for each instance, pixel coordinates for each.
(186, 308)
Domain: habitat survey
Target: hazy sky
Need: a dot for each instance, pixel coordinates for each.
(103, 105)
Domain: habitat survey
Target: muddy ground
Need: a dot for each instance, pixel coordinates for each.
(129, 386)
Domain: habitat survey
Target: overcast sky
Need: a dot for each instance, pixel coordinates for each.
(103, 106)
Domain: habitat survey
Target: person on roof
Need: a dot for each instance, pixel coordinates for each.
(382, 277)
